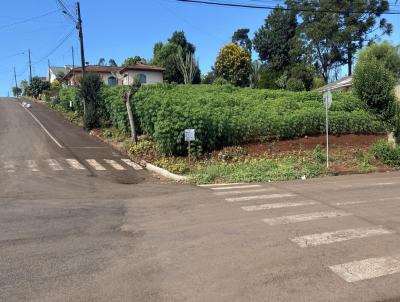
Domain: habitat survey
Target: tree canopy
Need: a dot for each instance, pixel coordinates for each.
(164, 55)
(233, 64)
(241, 37)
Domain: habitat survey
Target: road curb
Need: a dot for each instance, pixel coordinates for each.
(164, 173)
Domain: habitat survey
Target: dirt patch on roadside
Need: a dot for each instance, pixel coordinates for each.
(336, 142)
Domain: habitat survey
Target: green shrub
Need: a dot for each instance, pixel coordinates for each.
(142, 147)
(226, 115)
(374, 84)
(68, 95)
(294, 84)
(387, 153)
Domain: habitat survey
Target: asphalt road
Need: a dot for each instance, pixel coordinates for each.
(77, 223)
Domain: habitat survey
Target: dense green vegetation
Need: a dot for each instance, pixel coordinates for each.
(225, 115)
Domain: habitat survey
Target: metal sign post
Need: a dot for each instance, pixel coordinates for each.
(327, 104)
(189, 136)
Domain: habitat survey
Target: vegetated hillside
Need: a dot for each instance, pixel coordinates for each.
(224, 115)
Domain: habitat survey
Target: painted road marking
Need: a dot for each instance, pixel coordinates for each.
(43, 127)
(132, 164)
(75, 164)
(54, 165)
(305, 217)
(345, 203)
(95, 165)
(368, 268)
(9, 166)
(270, 206)
(339, 236)
(243, 191)
(32, 165)
(236, 187)
(270, 196)
(114, 164)
(221, 185)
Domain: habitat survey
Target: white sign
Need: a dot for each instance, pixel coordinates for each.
(327, 99)
(189, 135)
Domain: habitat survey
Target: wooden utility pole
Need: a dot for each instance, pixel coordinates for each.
(48, 65)
(73, 63)
(80, 31)
(16, 84)
(30, 67)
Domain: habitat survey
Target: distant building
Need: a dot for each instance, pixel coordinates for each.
(146, 74)
(343, 84)
(346, 84)
(54, 71)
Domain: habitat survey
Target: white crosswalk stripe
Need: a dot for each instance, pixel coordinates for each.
(94, 164)
(339, 236)
(368, 268)
(243, 191)
(305, 217)
(54, 165)
(75, 164)
(221, 185)
(32, 165)
(9, 166)
(270, 196)
(270, 206)
(236, 187)
(132, 164)
(114, 164)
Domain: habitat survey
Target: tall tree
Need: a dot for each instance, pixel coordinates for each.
(187, 65)
(241, 37)
(275, 41)
(358, 25)
(164, 55)
(320, 32)
(112, 62)
(233, 64)
(133, 60)
(102, 62)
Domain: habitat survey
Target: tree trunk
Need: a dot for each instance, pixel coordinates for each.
(131, 119)
(349, 60)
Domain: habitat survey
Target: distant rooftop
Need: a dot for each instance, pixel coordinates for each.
(341, 84)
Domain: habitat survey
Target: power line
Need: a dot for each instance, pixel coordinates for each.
(29, 19)
(55, 48)
(254, 6)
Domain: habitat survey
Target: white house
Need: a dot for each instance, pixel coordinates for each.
(55, 70)
(146, 74)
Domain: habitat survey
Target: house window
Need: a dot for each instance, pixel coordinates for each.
(112, 81)
(142, 78)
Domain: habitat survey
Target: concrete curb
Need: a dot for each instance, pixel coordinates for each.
(164, 173)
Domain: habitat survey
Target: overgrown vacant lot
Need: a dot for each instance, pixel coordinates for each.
(224, 115)
(245, 134)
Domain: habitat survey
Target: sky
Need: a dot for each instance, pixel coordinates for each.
(116, 29)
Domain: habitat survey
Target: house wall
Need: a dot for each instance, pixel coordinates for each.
(397, 90)
(104, 77)
(152, 77)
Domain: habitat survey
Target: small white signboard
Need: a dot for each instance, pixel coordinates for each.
(327, 99)
(189, 135)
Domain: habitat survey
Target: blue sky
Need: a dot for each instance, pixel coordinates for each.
(116, 29)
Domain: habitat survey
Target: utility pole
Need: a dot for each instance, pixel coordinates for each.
(48, 65)
(30, 67)
(16, 84)
(73, 63)
(80, 30)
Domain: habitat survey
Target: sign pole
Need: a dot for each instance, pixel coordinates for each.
(327, 136)
(189, 153)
